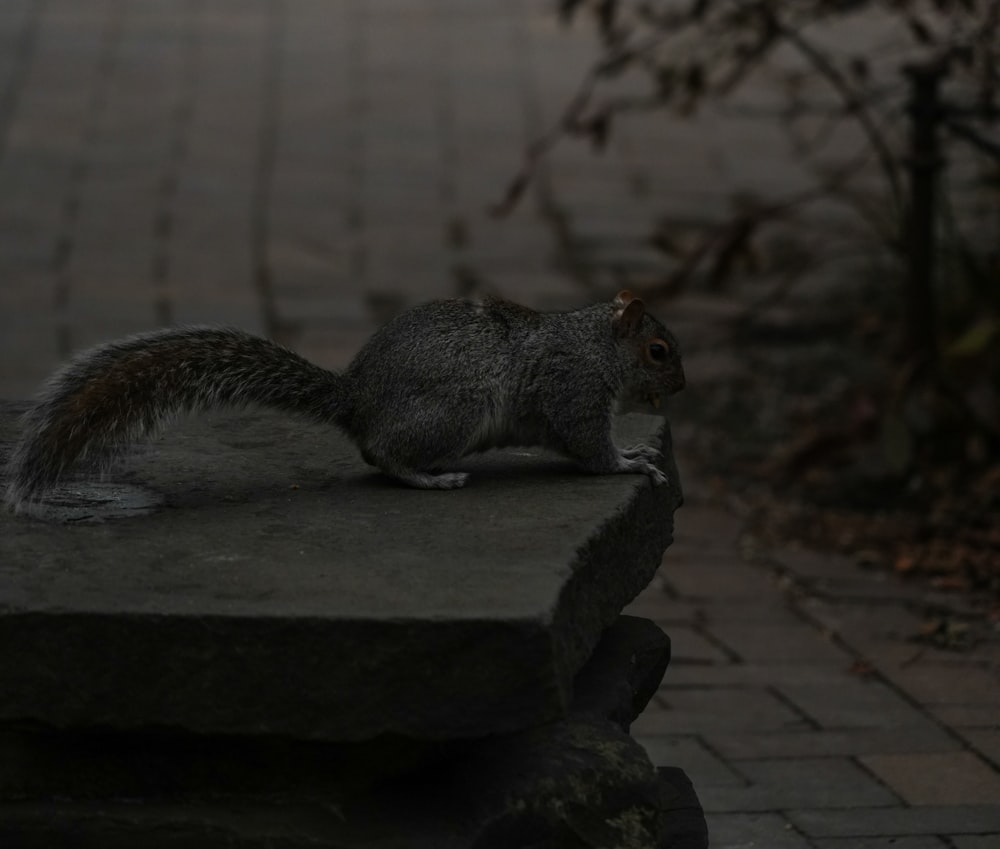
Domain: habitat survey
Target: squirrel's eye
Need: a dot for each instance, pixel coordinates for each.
(658, 352)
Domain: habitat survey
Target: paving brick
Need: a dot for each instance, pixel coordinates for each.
(937, 685)
(20, 375)
(888, 650)
(653, 602)
(13, 16)
(966, 716)
(798, 783)
(844, 700)
(696, 711)
(780, 643)
(985, 740)
(230, 311)
(868, 587)
(201, 288)
(753, 831)
(333, 348)
(507, 242)
(305, 310)
(707, 530)
(770, 607)
(694, 575)
(948, 778)
(740, 674)
(704, 768)
(690, 646)
(893, 821)
(854, 622)
(809, 742)
(806, 563)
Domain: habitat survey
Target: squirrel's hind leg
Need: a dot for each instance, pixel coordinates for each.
(415, 455)
(414, 477)
(426, 480)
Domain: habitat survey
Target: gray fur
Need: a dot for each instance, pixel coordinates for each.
(436, 383)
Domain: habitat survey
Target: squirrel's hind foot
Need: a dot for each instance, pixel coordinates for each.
(425, 480)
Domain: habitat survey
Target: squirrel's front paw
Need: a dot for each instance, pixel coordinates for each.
(642, 459)
(656, 475)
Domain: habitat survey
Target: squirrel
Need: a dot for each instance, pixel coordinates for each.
(436, 383)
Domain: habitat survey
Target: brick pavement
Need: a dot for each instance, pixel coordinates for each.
(801, 711)
(303, 168)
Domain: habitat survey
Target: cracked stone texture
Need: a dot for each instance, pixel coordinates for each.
(285, 588)
(579, 782)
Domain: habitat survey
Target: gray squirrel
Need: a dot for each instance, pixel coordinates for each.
(436, 383)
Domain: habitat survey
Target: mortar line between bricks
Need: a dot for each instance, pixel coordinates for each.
(856, 760)
(706, 744)
(811, 588)
(701, 629)
(356, 78)
(267, 144)
(24, 53)
(454, 232)
(838, 640)
(792, 827)
(62, 254)
(793, 707)
(670, 591)
(182, 114)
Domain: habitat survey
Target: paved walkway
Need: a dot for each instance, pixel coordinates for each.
(303, 167)
(801, 711)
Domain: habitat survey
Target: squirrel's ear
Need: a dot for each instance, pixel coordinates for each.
(623, 297)
(628, 318)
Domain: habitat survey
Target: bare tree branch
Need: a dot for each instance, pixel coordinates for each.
(855, 105)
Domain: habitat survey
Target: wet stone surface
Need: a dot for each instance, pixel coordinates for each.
(282, 587)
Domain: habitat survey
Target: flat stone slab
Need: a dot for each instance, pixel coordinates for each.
(260, 579)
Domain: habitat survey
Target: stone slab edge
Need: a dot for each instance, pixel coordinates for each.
(312, 699)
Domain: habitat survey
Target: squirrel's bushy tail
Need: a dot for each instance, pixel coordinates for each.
(106, 398)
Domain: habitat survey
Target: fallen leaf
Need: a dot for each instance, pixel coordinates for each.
(931, 626)
(955, 583)
(862, 669)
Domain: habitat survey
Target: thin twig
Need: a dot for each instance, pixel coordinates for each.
(855, 105)
(967, 133)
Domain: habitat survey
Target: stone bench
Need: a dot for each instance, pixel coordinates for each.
(260, 616)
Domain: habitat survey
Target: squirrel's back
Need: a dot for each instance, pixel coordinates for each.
(474, 369)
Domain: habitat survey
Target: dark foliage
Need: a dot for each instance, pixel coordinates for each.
(925, 104)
